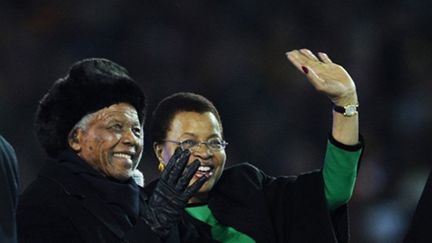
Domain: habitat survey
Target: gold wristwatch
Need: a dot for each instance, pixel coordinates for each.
(348, 110)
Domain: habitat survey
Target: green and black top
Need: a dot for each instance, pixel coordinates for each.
(339, 174)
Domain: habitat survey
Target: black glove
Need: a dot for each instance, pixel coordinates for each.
(172, 193)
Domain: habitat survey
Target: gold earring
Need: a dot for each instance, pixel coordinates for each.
(161, 166)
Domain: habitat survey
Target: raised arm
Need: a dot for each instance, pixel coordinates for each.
(342, 156)
(332, 80)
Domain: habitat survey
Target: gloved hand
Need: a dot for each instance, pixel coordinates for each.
(172, 193)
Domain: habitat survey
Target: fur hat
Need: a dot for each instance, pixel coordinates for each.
(91, 84)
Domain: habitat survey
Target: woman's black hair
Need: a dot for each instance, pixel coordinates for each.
(173, 104)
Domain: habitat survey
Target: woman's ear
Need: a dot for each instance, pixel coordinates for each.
(74, 139)
(158, 150)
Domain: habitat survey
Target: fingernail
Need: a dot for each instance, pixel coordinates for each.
(305, 69)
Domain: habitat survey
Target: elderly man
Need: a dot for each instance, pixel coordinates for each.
(90, 124)
(8, 192)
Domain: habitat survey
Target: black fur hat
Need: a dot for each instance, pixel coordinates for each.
(91, 84)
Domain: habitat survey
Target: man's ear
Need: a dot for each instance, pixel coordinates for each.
(158, 149)
(74, 139)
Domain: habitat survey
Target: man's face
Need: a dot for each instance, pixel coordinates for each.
(112, 141)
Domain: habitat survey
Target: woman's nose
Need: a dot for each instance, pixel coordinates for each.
(202, 150)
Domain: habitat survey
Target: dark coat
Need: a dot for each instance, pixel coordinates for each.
(421, 224)
(59, 206)
(8, 192)
(270, 209)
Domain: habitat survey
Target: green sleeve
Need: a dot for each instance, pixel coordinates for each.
(340, 172)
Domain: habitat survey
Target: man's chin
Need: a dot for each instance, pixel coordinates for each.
(122, 176)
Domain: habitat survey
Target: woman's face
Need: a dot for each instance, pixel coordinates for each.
(202, 127)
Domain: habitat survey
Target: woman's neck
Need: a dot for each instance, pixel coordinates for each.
(199, 198)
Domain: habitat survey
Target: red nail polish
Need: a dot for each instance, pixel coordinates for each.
(305, 69)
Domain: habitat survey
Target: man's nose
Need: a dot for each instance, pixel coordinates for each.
(129, 137)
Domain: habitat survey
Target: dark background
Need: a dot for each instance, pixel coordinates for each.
(233, 53)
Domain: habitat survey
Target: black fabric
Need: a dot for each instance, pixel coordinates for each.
(421, 225)
(61, 206)
(172, 193)
(122, 197)
(8, 192)
(351, 148)
(270, 209)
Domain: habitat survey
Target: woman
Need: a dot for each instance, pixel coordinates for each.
(241, 203)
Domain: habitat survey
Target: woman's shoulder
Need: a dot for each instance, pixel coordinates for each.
(246, 173)
(245, 166)
(243, 174)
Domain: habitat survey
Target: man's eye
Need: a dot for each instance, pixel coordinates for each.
(137, 131)
(117, 126)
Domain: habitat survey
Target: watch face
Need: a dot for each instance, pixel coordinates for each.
(350, 110)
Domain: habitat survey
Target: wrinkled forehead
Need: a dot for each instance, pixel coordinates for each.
(121, 112)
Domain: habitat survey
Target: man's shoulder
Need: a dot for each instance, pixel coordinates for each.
(42, 190)
(53, 184)
(42, 201)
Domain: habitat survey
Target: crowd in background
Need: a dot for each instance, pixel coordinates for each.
(233, 52)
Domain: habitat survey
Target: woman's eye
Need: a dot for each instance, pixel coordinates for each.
(215, 142)
(189, 143)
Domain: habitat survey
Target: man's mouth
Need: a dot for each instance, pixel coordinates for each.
(124, 156)
(204, 170)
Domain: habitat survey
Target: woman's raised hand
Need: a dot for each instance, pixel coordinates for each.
(327, 77)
